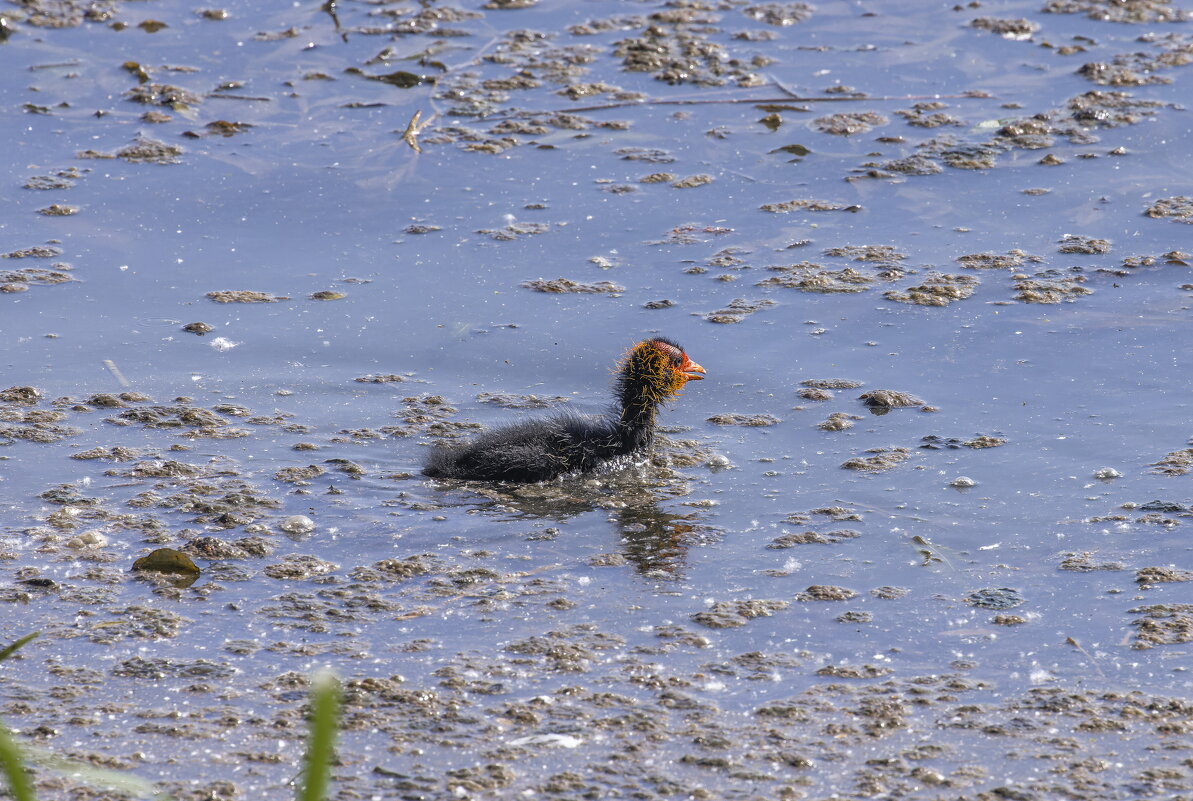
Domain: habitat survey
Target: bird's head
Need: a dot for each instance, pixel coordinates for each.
(657, 370)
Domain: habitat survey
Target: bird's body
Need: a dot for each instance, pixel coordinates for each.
(540, 449)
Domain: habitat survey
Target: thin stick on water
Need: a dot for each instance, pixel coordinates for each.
(115, 371)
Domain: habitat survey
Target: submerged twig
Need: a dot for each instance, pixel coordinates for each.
(414, 128)
(222, 96)
(1087, 654)
(930, 552)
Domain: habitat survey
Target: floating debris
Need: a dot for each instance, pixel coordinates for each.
(995, 598)
(938, 289)
(1129, 11)
(243, 296)
(299, 567)
(838, 421)
(918, 164)
(692, 181)
(732, 614)
(380, 378)
(300, 476)
(831, 383)
(298, 524)
(849, 123)
(890, 593)
(810, 277)
(807, 205)
(984, 441)
(567, 285)
(886, 254)
(1083, 563)
(749, 420)
(883, 459)
(143, 150)
(1162, 624)
(779, 14)
(510, 400)
(1162, 575)
(737, 310)
(650, 155)
(222, 128)
(889, 399)
(1015, 29)
(791, 539)
(994, 261)
(854, 671)
(58, 210)
(825, 592)
(1051, 290)
(24, 395)
(971, 157)
(1179, 208)
(161, 94)
(1072, 243)
(36, 252)
(515, 230)
(1176, 463)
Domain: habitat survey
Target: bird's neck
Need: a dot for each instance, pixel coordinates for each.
(637, 421)
(638, 414)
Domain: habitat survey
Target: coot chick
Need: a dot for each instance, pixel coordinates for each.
(651, 373)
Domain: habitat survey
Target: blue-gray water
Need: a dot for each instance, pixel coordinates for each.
(564, 613)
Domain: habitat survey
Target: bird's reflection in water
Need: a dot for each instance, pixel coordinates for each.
(653, 540)
(656, 542)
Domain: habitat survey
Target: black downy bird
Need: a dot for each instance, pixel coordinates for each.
(650, 374)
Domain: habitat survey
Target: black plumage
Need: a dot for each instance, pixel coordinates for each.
(652, 372)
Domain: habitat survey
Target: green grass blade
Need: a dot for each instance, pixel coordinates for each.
(325, 719)
(91, 775)
(13, 766)
(9, 650)
(14, 757)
